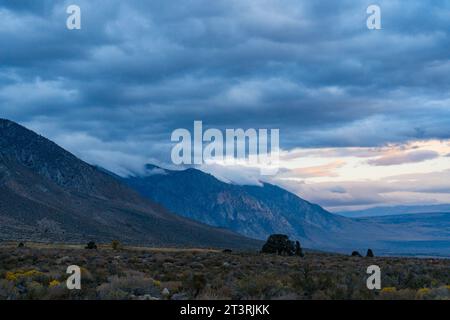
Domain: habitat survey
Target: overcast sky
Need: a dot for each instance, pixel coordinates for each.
(364, 115)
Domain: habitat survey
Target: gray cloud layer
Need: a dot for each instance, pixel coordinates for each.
(138, 70)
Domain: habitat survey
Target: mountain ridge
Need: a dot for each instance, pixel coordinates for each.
(258, 211)
(48, 194)
(395, 210)
(243, 209)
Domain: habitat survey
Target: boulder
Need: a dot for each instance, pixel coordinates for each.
(356, 254)
(370, 253)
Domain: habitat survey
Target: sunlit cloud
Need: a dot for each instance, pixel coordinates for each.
(407, 157)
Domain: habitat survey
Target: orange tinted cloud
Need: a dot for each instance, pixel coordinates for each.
(326, 170)
(406, 157)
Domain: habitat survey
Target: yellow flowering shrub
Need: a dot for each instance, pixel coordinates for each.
(389, 290)
(17, 275)
(54, 283)
(11, 276)
(421, 293)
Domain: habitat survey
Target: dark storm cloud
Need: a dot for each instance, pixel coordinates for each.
(139, 69)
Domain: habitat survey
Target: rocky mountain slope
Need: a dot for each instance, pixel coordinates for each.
(48, 194)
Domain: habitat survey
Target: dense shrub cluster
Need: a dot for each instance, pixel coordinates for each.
(281, 245)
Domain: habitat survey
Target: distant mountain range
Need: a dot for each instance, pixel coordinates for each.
(258, 211)
(251, 210)
(395, 210)
(48, 194)
(429, 233)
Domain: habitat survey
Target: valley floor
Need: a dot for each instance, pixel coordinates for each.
(39, 272)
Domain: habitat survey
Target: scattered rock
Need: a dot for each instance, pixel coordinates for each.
(298, 249)
(147, 297)
(356, 254)
(165, 292)
(180, 296)
(370, 253)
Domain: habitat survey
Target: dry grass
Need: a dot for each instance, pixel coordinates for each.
(65, 246)
(38, 271)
